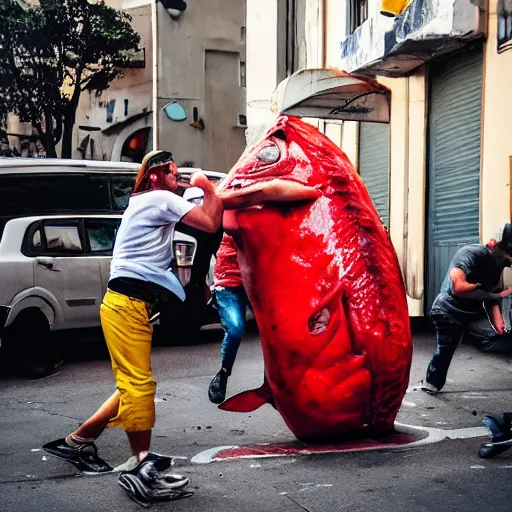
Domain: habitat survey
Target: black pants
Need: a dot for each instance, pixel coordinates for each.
(450, 333)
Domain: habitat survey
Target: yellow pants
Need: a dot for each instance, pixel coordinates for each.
(128, 334)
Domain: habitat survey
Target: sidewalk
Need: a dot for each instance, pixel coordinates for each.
(477, 383)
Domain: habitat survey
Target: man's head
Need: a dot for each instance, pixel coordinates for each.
(157, 172)
(505, 245)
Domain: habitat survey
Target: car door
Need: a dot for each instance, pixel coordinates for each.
(63, 267)
(100, 234)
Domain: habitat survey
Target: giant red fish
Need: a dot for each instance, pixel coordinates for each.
(325, 285)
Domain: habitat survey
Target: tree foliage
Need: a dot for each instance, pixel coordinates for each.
(52, 53)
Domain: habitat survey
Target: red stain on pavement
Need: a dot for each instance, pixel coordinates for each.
(298, 448)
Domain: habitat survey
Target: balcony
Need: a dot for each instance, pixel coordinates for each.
(394, 47)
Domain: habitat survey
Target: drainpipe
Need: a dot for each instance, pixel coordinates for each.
(323, 17)
(154, 102)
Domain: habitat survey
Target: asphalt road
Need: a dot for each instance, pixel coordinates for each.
(443, 476)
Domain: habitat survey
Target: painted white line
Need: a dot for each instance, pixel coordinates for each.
(434, 435)
(208, 456)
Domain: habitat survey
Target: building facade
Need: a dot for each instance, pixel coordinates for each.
(184, 90)
(439, 173)
(191, 86)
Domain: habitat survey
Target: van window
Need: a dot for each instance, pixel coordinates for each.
(62, 239)
(102, 234)
(121, 189)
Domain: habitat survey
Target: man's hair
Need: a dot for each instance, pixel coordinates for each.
(506, 239)
(154, 162)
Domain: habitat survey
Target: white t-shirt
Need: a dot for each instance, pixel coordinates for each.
(143, 248)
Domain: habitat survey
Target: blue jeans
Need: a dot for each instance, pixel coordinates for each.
(450, 333)
(231, 304)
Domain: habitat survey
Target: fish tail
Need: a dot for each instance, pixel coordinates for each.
(248, 401)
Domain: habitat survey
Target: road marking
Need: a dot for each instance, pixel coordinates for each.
(407, 436)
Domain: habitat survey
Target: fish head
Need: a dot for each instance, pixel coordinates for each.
(292, 162)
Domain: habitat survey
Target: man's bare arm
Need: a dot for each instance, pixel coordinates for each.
(208, 216)
(460, 283)
(463, 288)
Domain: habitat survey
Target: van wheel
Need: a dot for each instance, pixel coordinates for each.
(29, 345)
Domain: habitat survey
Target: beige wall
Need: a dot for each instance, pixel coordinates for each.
(207, 33)
(496, 134)
(261, 65)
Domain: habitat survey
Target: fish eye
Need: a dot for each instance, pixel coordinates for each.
(269, 154)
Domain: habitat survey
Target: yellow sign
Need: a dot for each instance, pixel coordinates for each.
(394, 8)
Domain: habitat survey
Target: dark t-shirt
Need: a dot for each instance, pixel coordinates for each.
(481, 265)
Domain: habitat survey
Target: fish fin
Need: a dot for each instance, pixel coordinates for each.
(248, 401)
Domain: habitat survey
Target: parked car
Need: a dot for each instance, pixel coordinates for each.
(56, 244)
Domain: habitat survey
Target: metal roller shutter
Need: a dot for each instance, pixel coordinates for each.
(454, 162)
(374, 142)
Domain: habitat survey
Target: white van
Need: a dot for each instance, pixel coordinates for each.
(58, 221)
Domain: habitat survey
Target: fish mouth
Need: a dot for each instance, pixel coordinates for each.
(245, 192)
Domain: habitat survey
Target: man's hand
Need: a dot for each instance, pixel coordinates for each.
(506, 293)
(497, 319)
(208, 216)
(198, 179)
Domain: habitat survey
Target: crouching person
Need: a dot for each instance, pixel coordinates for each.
(140, 279)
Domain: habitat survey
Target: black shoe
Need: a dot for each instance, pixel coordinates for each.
(85, 457)
(217, 389)
(501, 436)
(148, 483)
(430, 388)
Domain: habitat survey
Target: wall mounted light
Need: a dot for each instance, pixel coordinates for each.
(175, 8)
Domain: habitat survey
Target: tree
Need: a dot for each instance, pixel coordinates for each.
(51, 54)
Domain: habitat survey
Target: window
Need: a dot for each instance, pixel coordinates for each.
(62, 239)
(37, 194)
(36, 240)
(121, 191)
(101, 234)
(357, 13)
(504, 25)
(243, 74)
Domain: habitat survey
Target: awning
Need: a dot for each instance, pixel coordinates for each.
(332, 94)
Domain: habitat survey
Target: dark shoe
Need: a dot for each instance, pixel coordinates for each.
(218, 385)
(148, 483)
(430, 388)
(501, 436)
(85, 457)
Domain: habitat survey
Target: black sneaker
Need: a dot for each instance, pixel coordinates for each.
(85, 457)
(501, 436)
(430, 388)
(148, 483)
(218, 385)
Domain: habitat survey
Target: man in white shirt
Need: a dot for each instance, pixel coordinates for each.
(140, 278)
